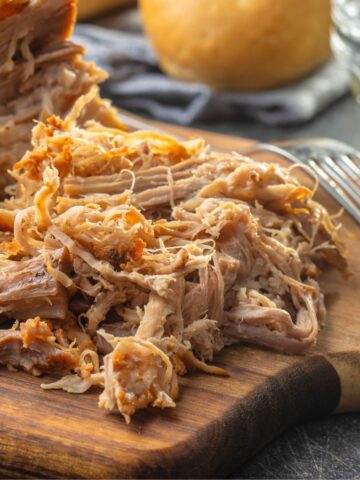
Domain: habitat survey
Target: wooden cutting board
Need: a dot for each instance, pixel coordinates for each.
(218, 423)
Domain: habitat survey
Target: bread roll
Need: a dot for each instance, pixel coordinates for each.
(91, 8)
(239, 44)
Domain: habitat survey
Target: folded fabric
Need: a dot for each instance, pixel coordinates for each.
(136, 83)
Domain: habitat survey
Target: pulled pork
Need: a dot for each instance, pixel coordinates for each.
(41, 72)
(141, 257)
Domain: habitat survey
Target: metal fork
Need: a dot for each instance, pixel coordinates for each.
(336, 165)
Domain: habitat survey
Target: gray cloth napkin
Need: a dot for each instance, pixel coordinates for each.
(136, 83)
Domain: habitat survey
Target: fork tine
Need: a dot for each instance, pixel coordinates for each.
(349, 166)
(334, 190)
(341, 178)
(355, 159)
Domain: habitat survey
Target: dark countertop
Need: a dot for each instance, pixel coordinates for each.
(327, 448)
(324, 449)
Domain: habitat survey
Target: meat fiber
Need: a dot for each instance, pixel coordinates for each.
(27, 288)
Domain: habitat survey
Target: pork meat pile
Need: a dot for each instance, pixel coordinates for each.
(41, 73)
(128, 258)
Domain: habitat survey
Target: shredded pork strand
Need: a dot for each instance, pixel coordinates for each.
(130, 258)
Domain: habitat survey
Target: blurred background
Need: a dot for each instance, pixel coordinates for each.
(265, 69)
(255, 68)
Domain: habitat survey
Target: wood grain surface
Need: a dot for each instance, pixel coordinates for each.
(218, 423)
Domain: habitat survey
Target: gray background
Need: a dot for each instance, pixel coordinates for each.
(340, 121)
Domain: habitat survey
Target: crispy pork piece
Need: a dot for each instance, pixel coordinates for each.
(137, 374)
(33, 348)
